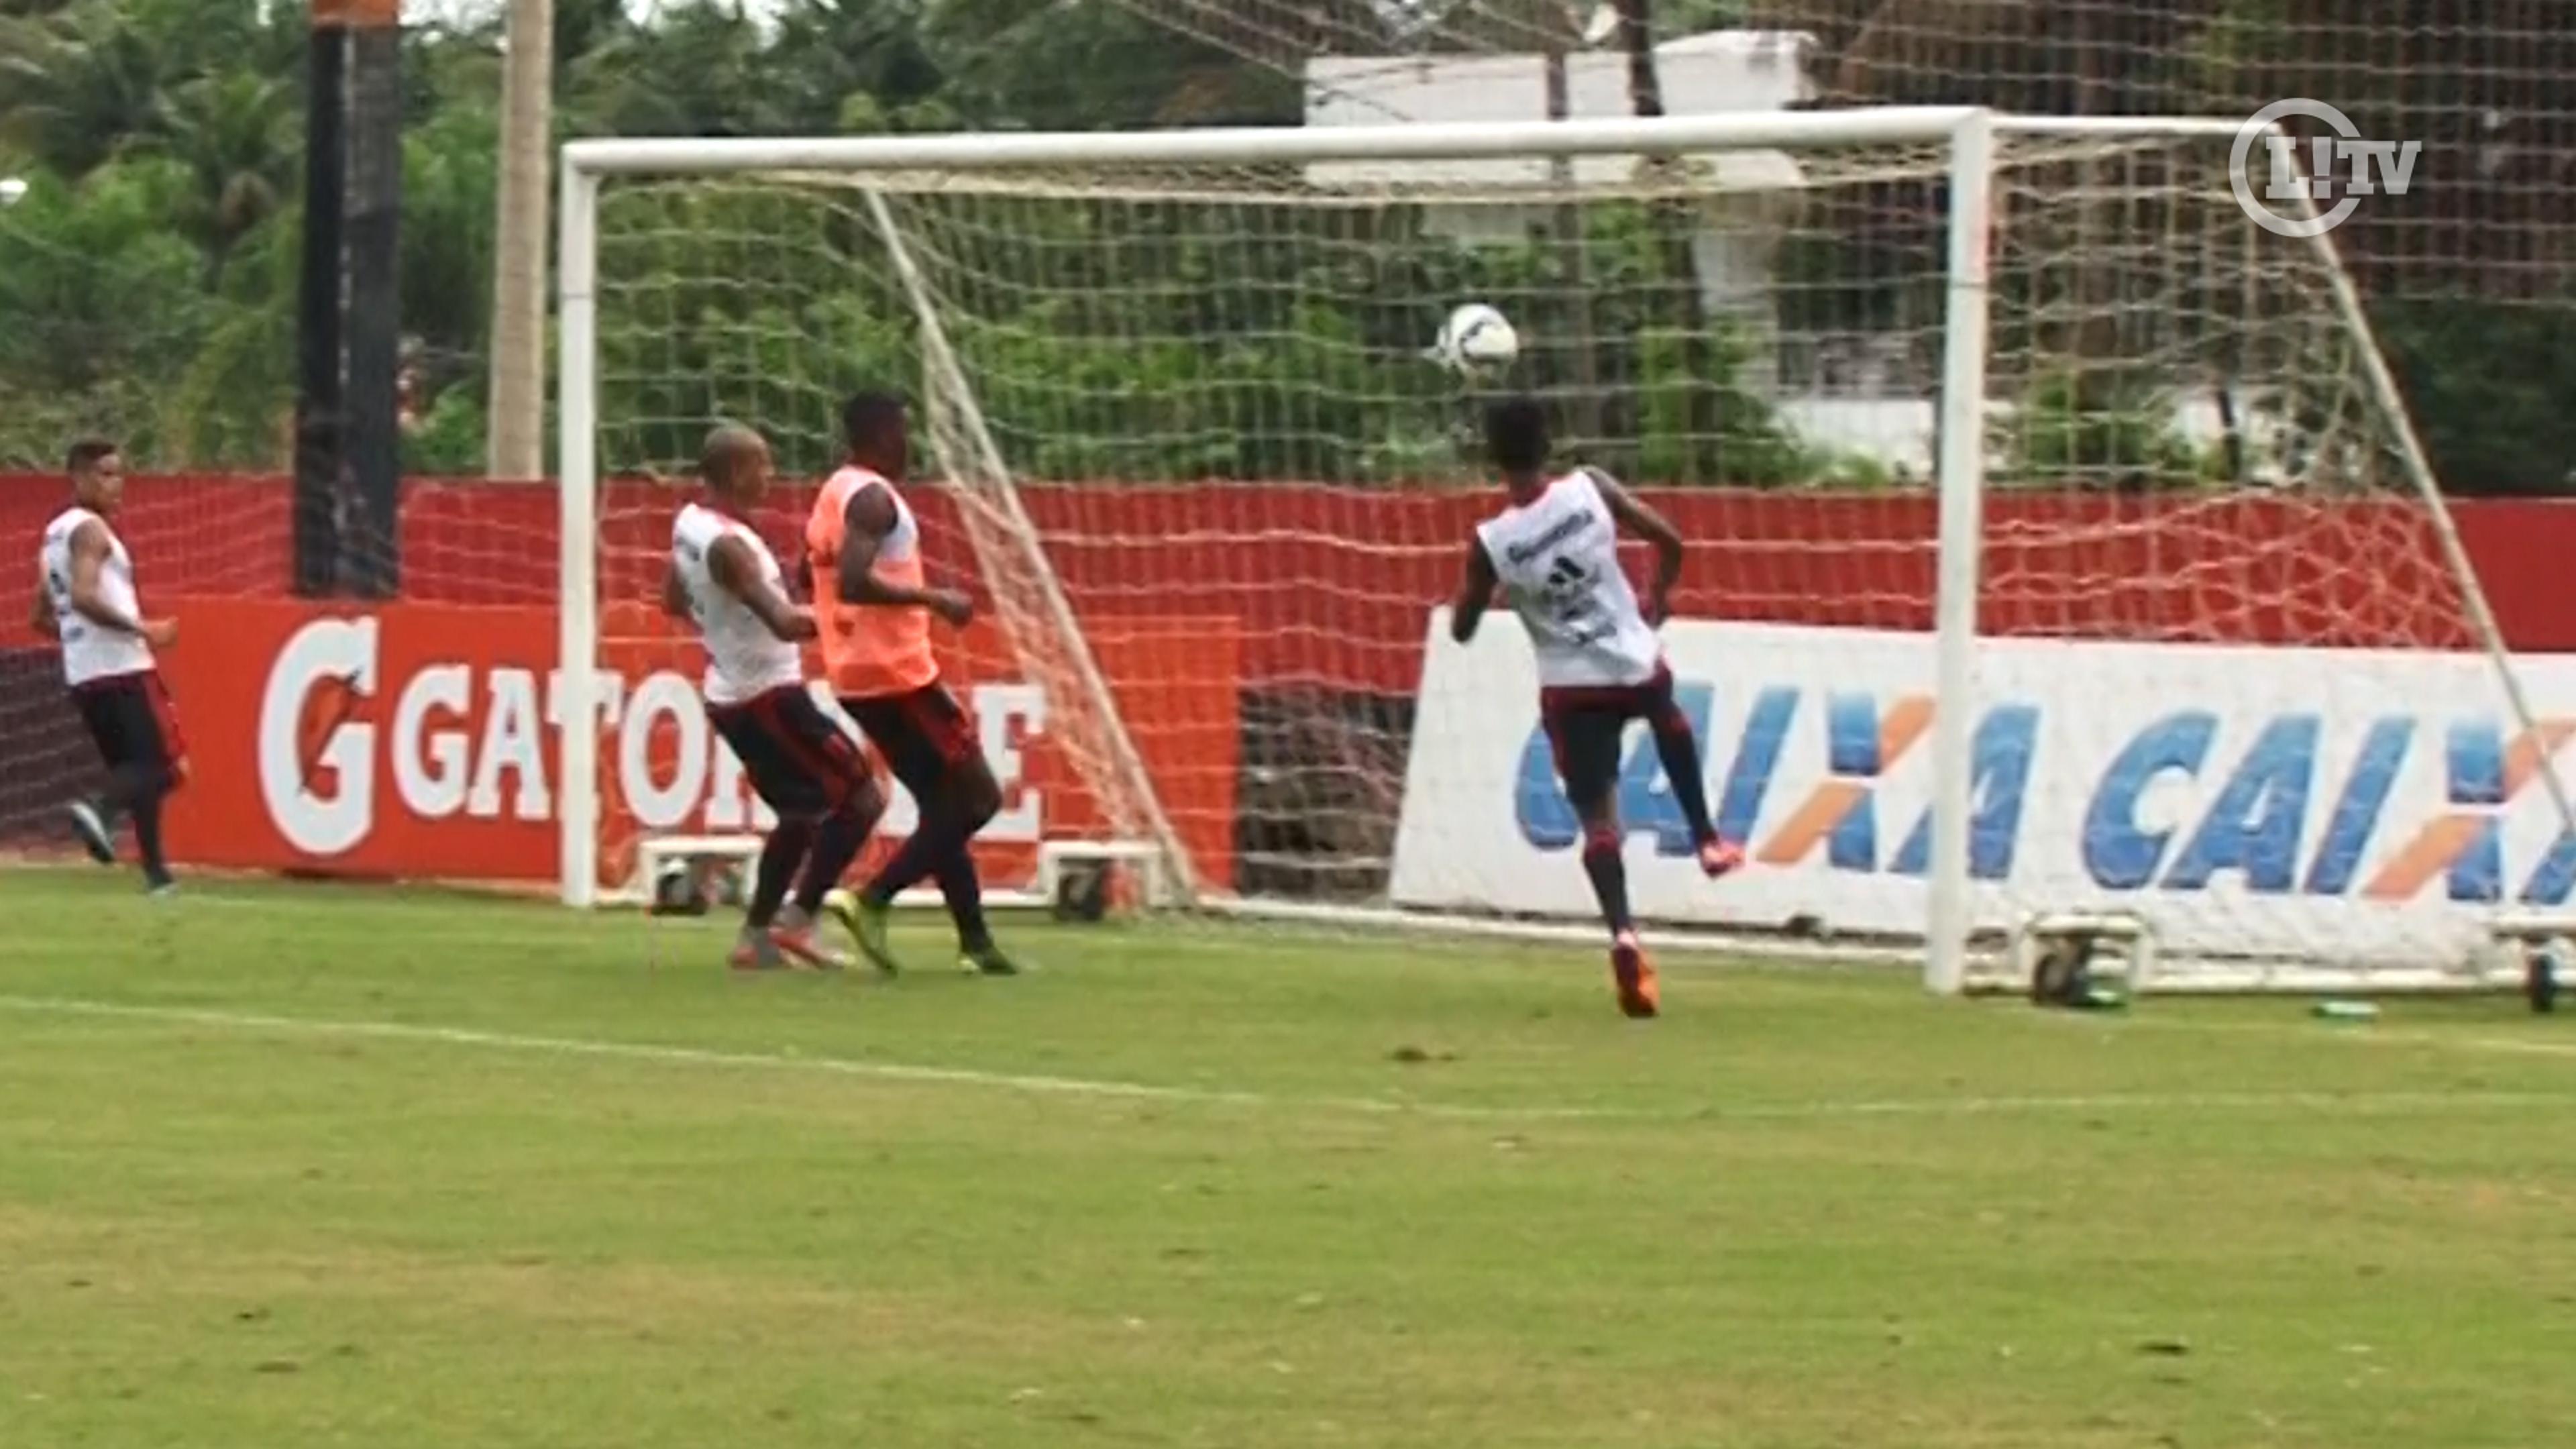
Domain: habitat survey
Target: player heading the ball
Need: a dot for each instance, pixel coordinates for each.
(725, 581)
(85, 598)
(1554, 553)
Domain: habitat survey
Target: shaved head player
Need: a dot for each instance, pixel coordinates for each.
(724, 579)
(1554, 553)
(864, 547)
(85, 598)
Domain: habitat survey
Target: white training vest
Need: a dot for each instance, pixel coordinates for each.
(1558, 559)
(744, 660)
(91, 651)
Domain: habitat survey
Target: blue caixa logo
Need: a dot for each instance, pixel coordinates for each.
(2279, 820)
(2257, 824)
(1865, 737)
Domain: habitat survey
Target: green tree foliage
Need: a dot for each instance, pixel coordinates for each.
(81, 82)
(158, 250)
(2487, 87)
(2492, 388)
(153, 262)
(1174, 340)
(105, 305)
(161, 150)
(1041, 65)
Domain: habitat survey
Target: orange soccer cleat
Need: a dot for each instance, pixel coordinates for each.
(793, 933)
(1720, 857)
(752, 951)
(1634, 975)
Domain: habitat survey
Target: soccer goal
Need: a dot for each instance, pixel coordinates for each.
(2064, 560)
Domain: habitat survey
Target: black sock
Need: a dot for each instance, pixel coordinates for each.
(134, 793)
(786, 850)
(1609, 873)
(916, 859)
(964, 892)
(128, 786)
(842, 836)
(147, 840)
(1679, 750)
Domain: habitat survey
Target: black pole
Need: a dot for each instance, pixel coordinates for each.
(318, 426)
(371, 540)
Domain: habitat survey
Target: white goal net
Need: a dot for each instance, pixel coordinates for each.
(2211, 658)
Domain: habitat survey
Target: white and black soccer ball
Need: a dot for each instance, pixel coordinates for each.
(1477, 341)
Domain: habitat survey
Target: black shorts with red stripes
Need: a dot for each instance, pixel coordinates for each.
(924, 734)
(131, 720)
(802, 763)
(1584, 723)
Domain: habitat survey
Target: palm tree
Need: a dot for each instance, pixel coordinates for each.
(82, 81)
(2488, 87)
(237, 135)
(699, 70)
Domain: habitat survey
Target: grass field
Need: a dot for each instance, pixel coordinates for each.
(286, 1166)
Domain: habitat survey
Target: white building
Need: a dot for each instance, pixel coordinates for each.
(1725, 70)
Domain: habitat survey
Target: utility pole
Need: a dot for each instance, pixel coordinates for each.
(320, 430)
(516, 409)
(348, 448)
(371, 531)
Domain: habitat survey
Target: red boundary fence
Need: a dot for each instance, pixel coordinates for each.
(1330, 583)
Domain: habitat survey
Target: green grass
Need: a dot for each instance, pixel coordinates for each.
(286, 1166)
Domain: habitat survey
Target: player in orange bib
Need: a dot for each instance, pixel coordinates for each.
(874, 604)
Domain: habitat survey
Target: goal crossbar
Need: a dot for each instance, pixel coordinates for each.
(1252, 145)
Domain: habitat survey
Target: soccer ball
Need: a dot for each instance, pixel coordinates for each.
(1476, 339)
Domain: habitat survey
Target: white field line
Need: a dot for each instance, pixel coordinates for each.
(250, 1023)
(2356, 1034)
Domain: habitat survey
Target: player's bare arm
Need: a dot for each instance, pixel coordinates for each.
(41, 619)
(1475, 593)
(866, 521)
(89, 551)
(736, 572)
(1640, 521)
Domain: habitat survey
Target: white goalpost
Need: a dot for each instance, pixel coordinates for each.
(2064, 562)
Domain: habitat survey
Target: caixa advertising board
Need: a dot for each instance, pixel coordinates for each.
(2363, 806)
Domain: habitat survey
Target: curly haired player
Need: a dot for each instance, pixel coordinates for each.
(1554, 553)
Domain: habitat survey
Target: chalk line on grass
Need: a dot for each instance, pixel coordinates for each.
(2369, 1034)
(1112, 1089)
